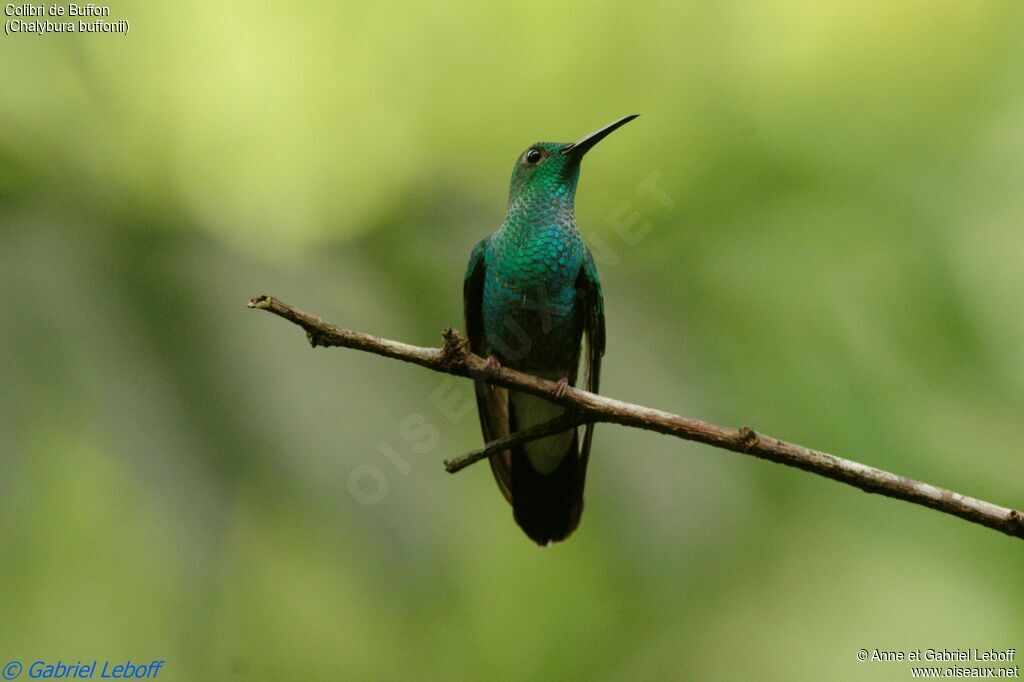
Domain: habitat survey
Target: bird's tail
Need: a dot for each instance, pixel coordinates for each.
(546, 502)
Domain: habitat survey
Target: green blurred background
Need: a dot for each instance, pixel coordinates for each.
(837, 261)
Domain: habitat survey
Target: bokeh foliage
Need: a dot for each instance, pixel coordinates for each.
(841, 265)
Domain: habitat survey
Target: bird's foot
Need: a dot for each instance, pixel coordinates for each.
(560, 387)
(493, 364)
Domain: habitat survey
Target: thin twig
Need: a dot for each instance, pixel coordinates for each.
(548, 428)
(455, 358)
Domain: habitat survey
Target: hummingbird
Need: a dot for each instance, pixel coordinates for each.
(531, 296)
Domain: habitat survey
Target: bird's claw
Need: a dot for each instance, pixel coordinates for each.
(560, 387)
(493, 364)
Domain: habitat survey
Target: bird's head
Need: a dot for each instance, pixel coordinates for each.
(552, 169)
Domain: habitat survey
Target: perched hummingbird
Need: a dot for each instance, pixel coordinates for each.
(531, 294)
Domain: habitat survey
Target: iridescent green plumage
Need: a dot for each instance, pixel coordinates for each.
(531, 295)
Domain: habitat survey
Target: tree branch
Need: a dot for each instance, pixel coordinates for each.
(455, 358)
(549, 428)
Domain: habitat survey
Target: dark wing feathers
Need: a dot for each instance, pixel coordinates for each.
(492, 401)
(589, 286)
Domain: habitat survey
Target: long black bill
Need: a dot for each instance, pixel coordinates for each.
(583, 145)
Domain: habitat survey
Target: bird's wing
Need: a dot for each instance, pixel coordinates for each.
(491, 401)
(588, 284)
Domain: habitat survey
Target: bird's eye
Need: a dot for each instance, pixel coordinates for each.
(533, 156)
